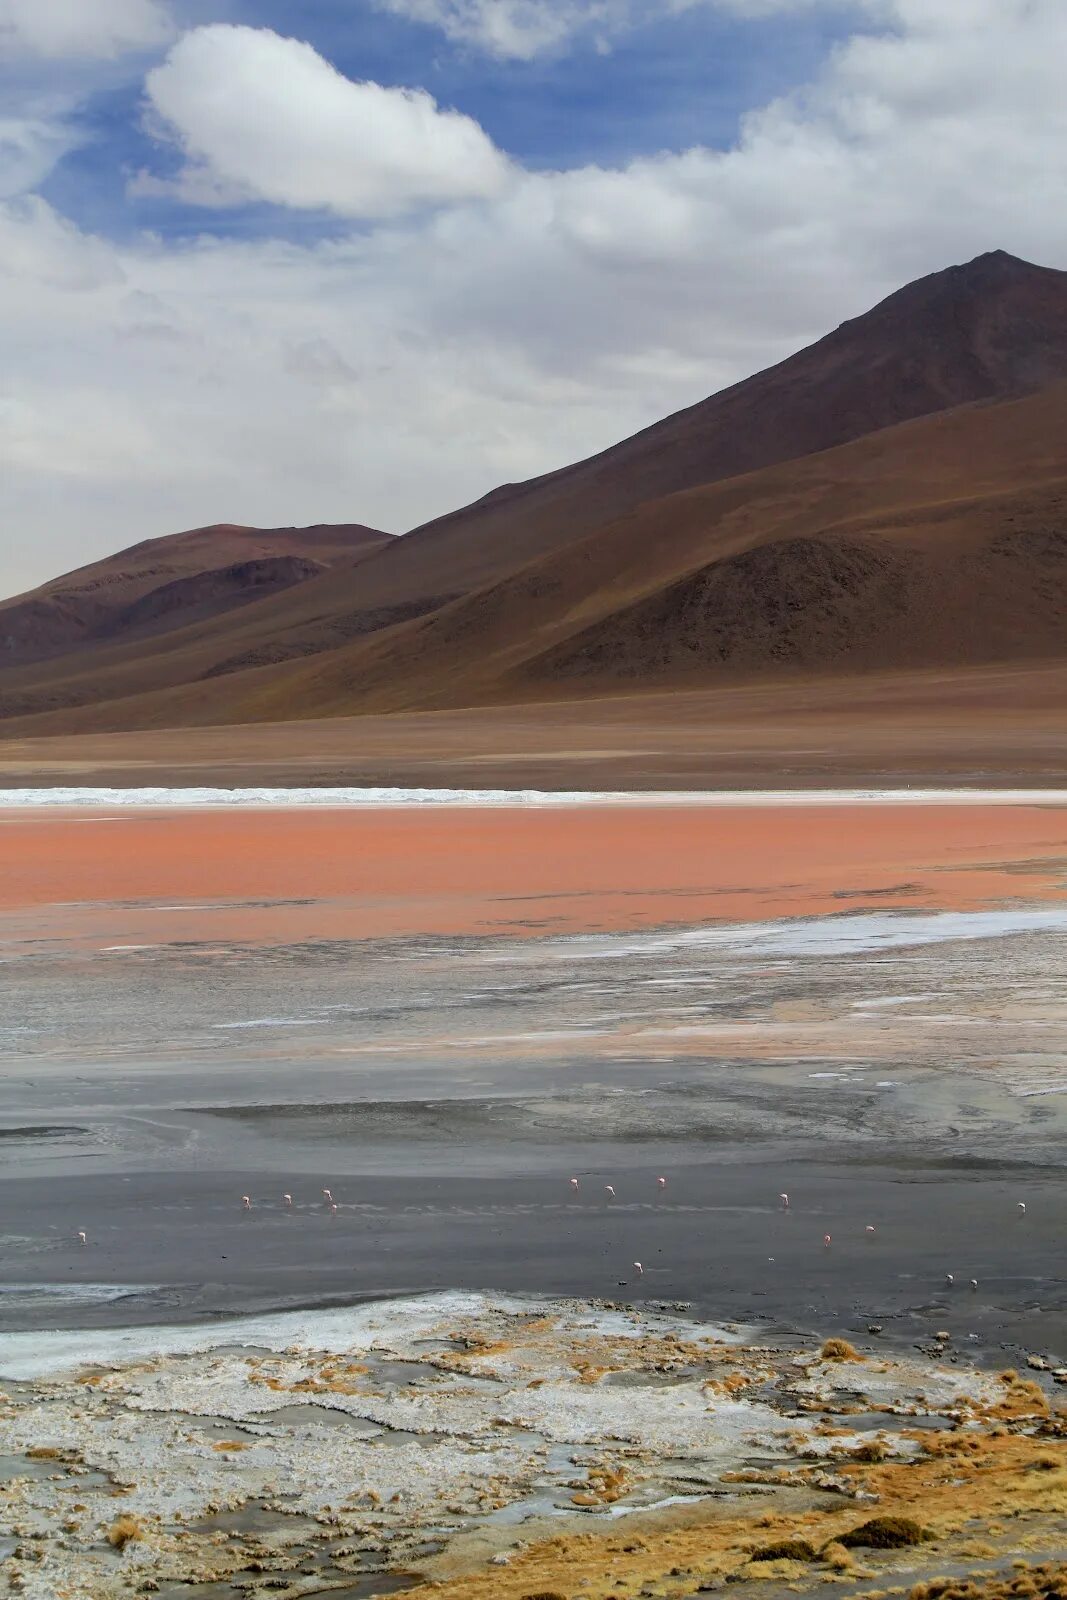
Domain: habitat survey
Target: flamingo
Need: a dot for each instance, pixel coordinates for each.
(246, 1201)
(327, 1196)
(333, 1208)
(826, 1241)
(574, 1183)
(287, 1199)
(869, 1228)
(949, 1279)
(609, 1190)
(1022, 1207)
(783, 1201)
(662, 1182)
(81, 1236)
(639, 1269)
(974, 1285)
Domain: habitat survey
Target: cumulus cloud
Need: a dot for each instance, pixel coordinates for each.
(57, 29)
(405, 367)
(261, 117)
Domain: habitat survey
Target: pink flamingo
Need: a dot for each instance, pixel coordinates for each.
(333, 1208)
(287, 1199)
(81, 1236)
(574, 1183)
(826, 1241)
(609, 1190)
(327, 1196)
(869, 1228)
(662, 1182)
(639, 1269)
(246, 1201)
(783, 1201)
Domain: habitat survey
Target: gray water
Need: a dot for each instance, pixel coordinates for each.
(447, 1091)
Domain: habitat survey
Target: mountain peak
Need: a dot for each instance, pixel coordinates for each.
(1000, 259)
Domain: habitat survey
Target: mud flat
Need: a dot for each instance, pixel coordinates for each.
(484, 1446)
(401, 1033)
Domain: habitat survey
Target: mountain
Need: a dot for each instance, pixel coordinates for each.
(166, 583)
(993, 329)
(890, 496)
(941, 542)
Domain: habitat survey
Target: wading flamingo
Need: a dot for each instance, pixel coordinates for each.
(639, 1269)
(246, 1201)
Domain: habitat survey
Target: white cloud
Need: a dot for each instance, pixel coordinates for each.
(520, 30)
(513, 29)
(29, 149)
(266, 118)
(56, 29)
(405, 368)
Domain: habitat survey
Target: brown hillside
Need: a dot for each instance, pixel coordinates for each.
(735, 538)
(992, 329)
(170, 582)
(942, 542)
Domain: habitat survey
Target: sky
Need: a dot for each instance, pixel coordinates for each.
(280, 262)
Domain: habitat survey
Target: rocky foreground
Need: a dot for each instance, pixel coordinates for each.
(491, 1449)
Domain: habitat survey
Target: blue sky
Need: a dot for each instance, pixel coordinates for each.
(664, 84)
(295, 261)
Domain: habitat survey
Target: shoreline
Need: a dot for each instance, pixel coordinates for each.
(546, 1447)
(326, 797)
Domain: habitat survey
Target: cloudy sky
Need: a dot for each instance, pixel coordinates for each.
(288, 261)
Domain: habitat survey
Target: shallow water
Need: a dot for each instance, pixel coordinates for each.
(891, 1070)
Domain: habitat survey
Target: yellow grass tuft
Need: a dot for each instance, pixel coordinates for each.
(839, 1350)
(123, 1531)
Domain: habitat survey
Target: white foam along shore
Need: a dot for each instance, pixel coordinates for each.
(37, 1354)
(354, 797)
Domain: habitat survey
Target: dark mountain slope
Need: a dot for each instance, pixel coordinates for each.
(161, 584)
(497, 599)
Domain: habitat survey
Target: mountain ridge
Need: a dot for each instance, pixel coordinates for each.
(397, 627)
